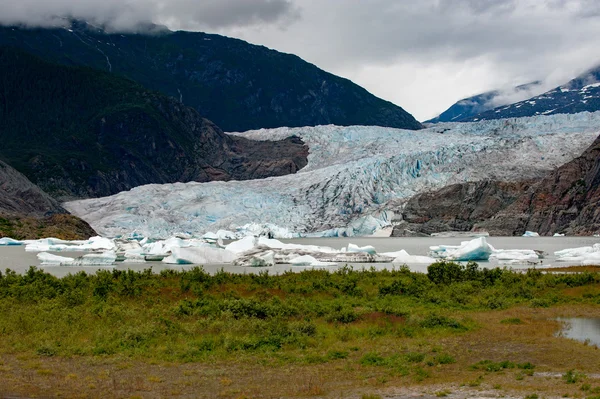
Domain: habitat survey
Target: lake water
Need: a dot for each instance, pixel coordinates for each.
(581, 329)
(15, 258)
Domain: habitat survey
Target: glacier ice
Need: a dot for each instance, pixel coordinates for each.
(351, 174)
(531, 234)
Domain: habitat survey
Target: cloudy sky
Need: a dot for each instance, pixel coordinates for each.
(422, 55)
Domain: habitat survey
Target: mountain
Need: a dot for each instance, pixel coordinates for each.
(353, 174)
(26, 212)
(237, 85)
(458, 207)
(579, 95)
(566, 201)
(471, 106)
(76, 132)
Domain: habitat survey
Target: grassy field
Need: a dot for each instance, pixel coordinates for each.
(348, 333)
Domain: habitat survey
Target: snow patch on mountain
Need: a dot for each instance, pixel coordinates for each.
(352, 171)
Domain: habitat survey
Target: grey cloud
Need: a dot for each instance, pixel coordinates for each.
(130, 14)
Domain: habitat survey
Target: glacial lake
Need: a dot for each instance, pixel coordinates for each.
(581, 329)
(15, 258)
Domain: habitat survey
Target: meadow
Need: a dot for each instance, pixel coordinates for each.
(318, 333)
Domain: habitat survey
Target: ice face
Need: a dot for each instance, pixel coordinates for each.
(352, 172)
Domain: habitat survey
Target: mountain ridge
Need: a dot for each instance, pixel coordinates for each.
(78, 133)
(237, 85)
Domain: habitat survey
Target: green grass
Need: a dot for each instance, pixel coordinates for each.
(310, 317)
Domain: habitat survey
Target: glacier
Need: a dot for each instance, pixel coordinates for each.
(351, 175)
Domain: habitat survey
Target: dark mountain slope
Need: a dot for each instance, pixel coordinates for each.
(579, 95)
(26, 212)
(237, 85)
(78, 132)
(459, 207)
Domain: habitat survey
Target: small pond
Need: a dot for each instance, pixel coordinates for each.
(581, 329)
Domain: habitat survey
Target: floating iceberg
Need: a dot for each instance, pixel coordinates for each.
(9, 242)
(199, 256)
(558, 235)
(369, 249)
(583, 255)
(531, 234)
(257, 259)
(47, 259)
(307, 260)
(477, 249)
(352, 173)
(403, 257)
(243, 245)
(97, 259)
(515, 255)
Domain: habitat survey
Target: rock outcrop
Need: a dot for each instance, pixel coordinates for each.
(566, 201)
(26, 212)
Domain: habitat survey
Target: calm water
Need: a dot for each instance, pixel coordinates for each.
(582, 329)
(18, 260)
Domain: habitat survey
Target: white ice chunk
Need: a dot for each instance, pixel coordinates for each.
(369, 249)
(576, 252)
(47, 259)
(276, 244)
(531, 234)
(200, 256)
(9, 242)
(403, 257)
(307, 260)
(515, 254)
(558, 235)
(243, 245)
(95, 259)
(477, 249)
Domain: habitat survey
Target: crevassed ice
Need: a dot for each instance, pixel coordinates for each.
(352, 171)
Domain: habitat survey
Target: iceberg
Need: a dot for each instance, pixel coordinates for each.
(515, 254)
(243, 245)
(96, 259)
(9, 242)
(307, 260)
(584, 255)
(576, 252)
(369, 249)
(531, 234)
(477, 249)
(352, 174)
(403, 257)
(199, 256)
(257, 259)
(107, 258)
(47, 259)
